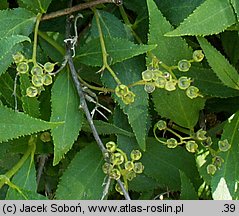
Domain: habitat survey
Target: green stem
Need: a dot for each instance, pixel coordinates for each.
(140, 82)
(100, 89)
(176, 134)
(155, 135)
(123, 153)
(183, 130)
(103, 50)
(52, 42)
(34, 53)
(16, 167)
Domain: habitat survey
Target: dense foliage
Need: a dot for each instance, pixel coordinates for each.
(161, 82)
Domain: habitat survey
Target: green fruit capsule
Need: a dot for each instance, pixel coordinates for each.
(121, 90)
(37, 80)
(172, 143)
(129, 165)
(184, 65)
(118, 188)
(31, 91)
(184, 82)
(138, 167)
(117, 158)
(149, 88)
(170, 85)
(115, 174)
(18, 57)
(130, 175)
(128, 98)
(217, 161)
(147, 75)
(45, 137)
(107, 167)
(211, 169)
(207, 142)
(135, 155)
(161, 125)
(192, 92)
(200, 135)
(22, 67)
(224, 145)
(198, 55)
(37, 70)
(111, 146)
(48, 67)
(47, 79)
(160, 82)
(191, 146)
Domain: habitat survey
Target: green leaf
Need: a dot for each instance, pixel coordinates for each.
(223, 69)
(164, 165)
(187, 189)
(30, 105)
(235, 5)
(106, 128)
(65, 107)
(25, 179)
(18, 21)
(177, 11)
(38, 6)
(178, 107)
(224, 182)
(209, 84)
(129, 72)
(3, 4)
(169, 50)
(7, 49)
(211, 17)
(15, 124)
(118, 50)
(84, 177)
(7, 89)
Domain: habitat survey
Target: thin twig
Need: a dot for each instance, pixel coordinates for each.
(83, 103)
(74, 9)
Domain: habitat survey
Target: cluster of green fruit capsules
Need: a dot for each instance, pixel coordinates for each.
(223, 146)
(191, 142)
(119, 166)
(125, 94)
(40, 74)
(156, 78)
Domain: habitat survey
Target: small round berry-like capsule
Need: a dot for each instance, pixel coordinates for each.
(200, 135)
(184, 65)
(160, 82)
(130, 175)
(118, 188)
(37, 80)
(115, 174)
(192, 92)
(224, 145)
(47, 79)
(107, 167)
(147, 75)
(207, 142)
(37, 70)
(111, 146)
(138, 167)
(129, 165)
(217, 161)
(117, 158)
(45, 137)
(211, 169)
(184, 82)
(121, 90)
(18, 57)
(48, 67)
(22, 67)
(198, 55)
(191, 146)
(128, 98)
(172, 143)
(149, 88)
(161, 125)
(170, 85)
(31, 91)
(135, 155)
(156, 74)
